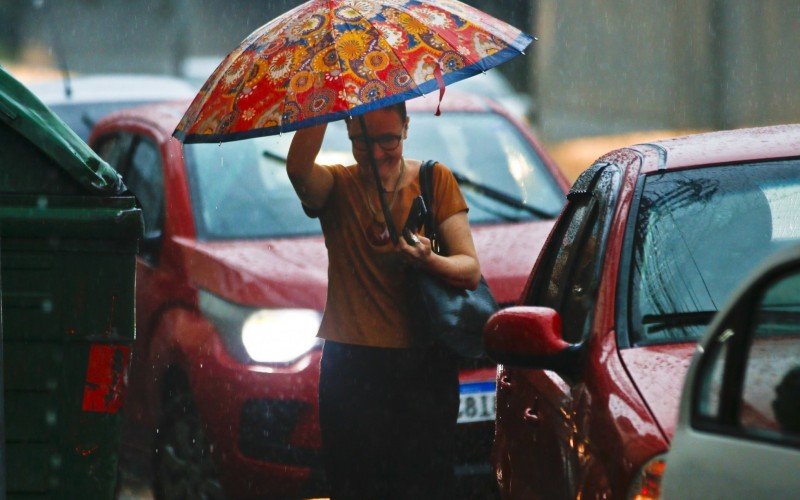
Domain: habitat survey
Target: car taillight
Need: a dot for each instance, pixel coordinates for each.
(647, 484)
(106, 374)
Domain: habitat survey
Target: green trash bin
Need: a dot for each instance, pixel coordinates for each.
(68, 240)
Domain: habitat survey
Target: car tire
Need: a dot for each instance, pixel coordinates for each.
(182, 463)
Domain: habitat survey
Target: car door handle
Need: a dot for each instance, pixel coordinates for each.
(531, 416)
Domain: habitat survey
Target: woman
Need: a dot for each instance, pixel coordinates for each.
(388, 399)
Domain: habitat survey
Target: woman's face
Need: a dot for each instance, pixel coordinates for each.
(387, 131)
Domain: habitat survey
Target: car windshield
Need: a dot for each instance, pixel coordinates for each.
(698, 234)
(240, 189)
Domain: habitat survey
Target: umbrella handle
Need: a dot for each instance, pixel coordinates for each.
(387, 214)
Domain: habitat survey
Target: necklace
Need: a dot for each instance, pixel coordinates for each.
(378, 232)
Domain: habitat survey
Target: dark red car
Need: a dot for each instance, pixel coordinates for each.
(652, 241)
(232, 279)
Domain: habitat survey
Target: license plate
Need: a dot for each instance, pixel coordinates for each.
(477, 402)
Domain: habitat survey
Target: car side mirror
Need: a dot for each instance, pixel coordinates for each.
(530, 337)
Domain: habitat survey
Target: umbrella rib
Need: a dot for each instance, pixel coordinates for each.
(338, 59)
(394, 52)
(282, 109)
(416, 18)
(488, 27)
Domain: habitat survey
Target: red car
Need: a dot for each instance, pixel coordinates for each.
(232, 279)
(652, 241)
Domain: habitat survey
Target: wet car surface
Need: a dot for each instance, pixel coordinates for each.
(232, 279)
(653, 240)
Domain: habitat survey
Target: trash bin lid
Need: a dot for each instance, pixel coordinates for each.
(26, 114)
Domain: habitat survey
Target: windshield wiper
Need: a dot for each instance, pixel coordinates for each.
(502, 197)
(677, 319)
(273, 156)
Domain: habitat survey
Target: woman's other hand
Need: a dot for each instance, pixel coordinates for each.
(460, 269)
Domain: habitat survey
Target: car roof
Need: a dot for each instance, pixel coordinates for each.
(113, 88)
(167, 115)
(714, 148)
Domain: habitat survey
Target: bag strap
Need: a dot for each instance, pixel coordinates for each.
(426, 189)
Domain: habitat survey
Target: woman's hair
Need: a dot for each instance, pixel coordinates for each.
(400, 107)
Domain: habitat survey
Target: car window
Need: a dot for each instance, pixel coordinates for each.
(569, 275)
(240, 189)
(698, 233)
(145, 180)
(708, 401)
(115, 149)
(771, 390)
(486, 147)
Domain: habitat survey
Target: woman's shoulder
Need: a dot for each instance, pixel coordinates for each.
(438, 167)
(441, 172)
(342, 171)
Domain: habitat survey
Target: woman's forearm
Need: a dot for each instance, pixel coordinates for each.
(460, 271)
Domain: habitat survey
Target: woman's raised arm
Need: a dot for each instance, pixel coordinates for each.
(312, 182)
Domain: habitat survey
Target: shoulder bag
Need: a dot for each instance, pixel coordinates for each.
(455, 317)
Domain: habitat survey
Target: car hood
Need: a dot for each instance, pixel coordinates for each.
(292, 272)
(659, 372)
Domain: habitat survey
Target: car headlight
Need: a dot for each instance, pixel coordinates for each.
(647, 484)
(261, 335)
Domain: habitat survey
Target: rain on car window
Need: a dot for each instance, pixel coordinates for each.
(695, 234)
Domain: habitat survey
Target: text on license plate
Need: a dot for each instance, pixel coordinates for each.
(477, 402)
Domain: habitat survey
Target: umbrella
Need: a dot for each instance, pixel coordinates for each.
(329, 59)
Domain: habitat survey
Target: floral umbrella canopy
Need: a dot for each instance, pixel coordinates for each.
(328, 59)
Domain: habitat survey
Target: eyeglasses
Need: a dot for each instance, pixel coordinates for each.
(387, 142)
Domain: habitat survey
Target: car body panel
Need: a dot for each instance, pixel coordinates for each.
(658, 372)
(739, 145)
(720, 467)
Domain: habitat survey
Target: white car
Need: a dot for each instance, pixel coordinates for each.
(738, 434)
(82, 100)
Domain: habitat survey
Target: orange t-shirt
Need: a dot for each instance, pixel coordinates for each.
(367, 303)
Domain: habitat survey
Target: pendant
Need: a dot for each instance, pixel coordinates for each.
(378, 234)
